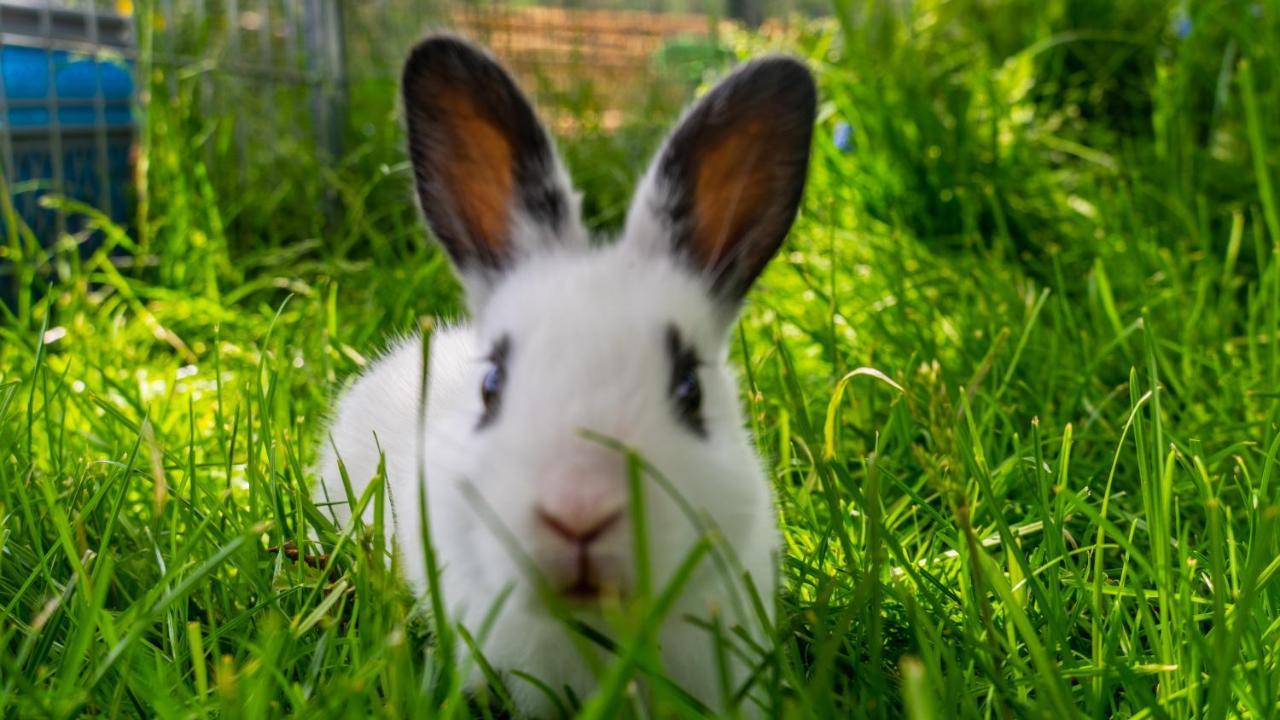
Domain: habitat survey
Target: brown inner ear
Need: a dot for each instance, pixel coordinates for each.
(733, 190)
(476, 162)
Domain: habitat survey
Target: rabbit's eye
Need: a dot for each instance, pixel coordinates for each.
(495, 379)
(685, 388)
(491, 386)
(688, 393)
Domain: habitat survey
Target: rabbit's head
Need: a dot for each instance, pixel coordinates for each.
(581, 347)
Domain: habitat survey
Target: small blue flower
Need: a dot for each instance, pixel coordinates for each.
(1182, 25)
(1255, 9)
(843, 137)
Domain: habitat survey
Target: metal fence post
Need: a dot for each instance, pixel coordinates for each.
(324, 48)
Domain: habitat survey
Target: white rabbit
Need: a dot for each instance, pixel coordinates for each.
(570, 343)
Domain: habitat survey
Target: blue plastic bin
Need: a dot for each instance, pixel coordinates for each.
(38, 82)
(27, 85)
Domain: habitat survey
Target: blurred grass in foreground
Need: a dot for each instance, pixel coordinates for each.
(1052, 225)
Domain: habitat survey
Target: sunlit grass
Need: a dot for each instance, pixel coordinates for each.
(1017, 379)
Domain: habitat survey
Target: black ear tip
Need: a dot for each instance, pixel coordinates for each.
(783, 80)
(782, 67)
(442, 53)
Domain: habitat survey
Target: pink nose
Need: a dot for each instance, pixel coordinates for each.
(579, 528)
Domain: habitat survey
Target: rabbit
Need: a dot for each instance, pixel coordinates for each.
(574, 351)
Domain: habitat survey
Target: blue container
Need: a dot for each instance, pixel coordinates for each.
(89, 140)
(92, 100)
(32, 75)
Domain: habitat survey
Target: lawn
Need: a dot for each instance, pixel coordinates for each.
(1016, 376)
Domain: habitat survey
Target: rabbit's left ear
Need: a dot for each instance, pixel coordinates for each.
(487, 177)
(725, 187)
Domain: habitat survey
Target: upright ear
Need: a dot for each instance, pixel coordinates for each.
(725, 187)
(487, 177)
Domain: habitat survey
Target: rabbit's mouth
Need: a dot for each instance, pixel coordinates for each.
(585, 577)
(581, 551)
(584, 591)
(589, 586)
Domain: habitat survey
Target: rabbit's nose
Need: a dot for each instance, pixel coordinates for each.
(581, 527)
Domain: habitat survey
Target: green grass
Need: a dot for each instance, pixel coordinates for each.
(1017, 378)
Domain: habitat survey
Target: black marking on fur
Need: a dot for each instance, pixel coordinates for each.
(497, 368)
(544, 202)
(444, 60)
(684, 388)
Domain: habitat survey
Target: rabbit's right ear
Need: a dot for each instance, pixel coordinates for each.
(725, 188)
(487, 179)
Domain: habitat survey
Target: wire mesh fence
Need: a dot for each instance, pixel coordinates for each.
(257, 56)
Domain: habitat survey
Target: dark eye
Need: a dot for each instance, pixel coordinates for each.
(687, 392)
(494, 381)
(491, 387)
(685, 389)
